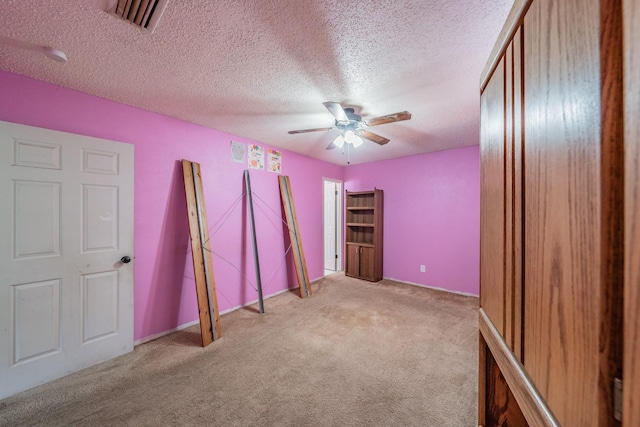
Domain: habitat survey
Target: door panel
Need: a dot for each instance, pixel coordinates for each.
(66, 302)
(99, 224)
(353, 260)
(492, 203)
(99, 305)
(367, 263)
(563, 176)
(508, 198)
(36, 309)
(36, 154)
(631, 368)
(37, 234)
(518, 195)
(99, 162)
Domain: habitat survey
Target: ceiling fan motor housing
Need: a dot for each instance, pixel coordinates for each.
(354, 123)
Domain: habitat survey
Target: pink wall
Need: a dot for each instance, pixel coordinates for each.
(164, 290)
(431, 216)
(431, 205)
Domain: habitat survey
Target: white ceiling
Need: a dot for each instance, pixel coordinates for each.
(259, 68)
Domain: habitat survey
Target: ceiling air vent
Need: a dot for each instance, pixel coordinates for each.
(142, 13)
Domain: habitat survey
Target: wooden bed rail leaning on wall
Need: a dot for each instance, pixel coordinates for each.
(210, 329)
(294, 234)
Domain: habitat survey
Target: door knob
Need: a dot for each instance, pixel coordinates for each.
(125, 259)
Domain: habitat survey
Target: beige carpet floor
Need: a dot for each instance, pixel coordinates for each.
(354, 354)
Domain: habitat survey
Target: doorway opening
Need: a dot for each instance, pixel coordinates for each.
(332, 224)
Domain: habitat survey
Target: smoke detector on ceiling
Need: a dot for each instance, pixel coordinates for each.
(144, 14)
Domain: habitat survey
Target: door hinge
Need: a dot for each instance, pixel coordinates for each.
(336, 192)
(617, 399)
(336, 256)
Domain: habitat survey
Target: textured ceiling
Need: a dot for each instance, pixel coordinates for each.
(259, 68)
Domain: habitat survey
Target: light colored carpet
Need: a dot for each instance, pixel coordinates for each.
(354, 354)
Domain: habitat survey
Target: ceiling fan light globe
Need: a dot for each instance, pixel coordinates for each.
(339, 141)
(351, 138)
(357, 141)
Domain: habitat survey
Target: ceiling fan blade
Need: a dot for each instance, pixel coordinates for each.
(336, 109)
(390, 118)
(308, 130)
(373, 137)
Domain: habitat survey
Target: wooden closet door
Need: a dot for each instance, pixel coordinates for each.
(569, 176)
(631, 369)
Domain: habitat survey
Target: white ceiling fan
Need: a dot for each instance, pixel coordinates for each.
(353, 127)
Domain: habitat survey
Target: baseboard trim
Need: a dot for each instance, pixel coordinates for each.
(195, 322)
(167, 332)
(237, 307)
(466, 294)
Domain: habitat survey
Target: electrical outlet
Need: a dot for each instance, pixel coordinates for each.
(423, 269)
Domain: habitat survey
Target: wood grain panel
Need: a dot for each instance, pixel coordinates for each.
(206, 331)
(492, 202)
(300, 261)
(213, 296)
(631, 370)
(367, 263)
(562, 219)
(353, 260)
(518, 193)
(530, 402)
(378, 235)
(482, 380)
(508, 198)
(611, 205)
(504, 410)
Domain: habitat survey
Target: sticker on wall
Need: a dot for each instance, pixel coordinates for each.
(237, 152)
(256, 157)
(274, 161)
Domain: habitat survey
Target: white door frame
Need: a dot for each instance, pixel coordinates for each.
(338, 224)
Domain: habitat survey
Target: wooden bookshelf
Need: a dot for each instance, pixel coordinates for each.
(364, 234)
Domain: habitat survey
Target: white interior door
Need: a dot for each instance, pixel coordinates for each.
(66, 220)
(331, 221)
